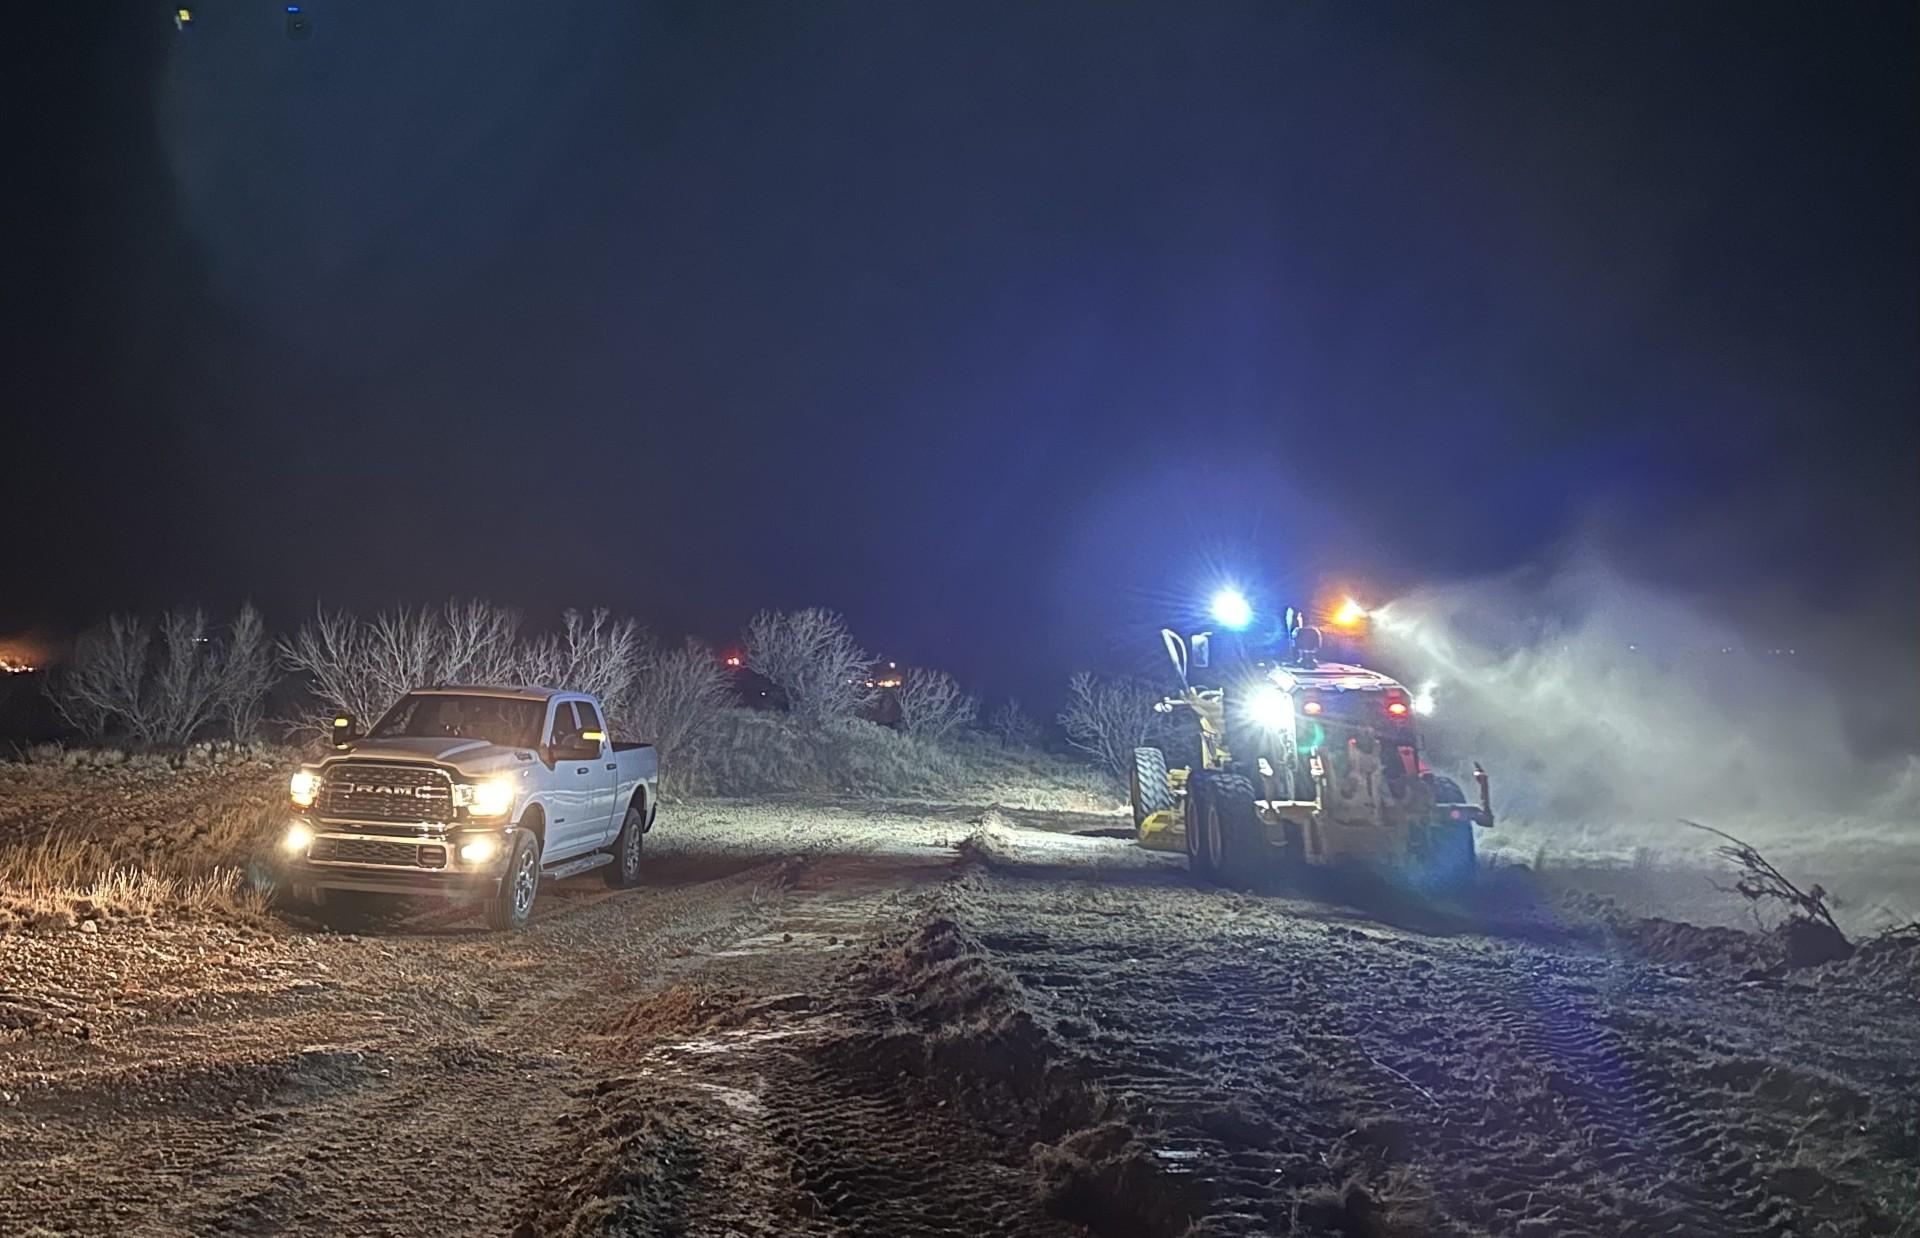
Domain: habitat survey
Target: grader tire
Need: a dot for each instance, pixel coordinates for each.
(1148, 785)
(1199, 797)
(1235, 842)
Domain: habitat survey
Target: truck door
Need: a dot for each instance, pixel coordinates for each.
(571, 825)
(605, 807)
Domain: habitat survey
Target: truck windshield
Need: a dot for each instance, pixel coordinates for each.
(433, 715)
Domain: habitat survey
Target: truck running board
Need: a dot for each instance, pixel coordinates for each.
(574, 867)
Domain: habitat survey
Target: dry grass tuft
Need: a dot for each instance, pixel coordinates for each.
(93, 838)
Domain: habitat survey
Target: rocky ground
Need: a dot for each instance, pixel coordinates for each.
(849, 1019)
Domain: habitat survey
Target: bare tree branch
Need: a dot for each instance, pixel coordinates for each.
(932, 704)
(1108, 718)
(1013, 726)
(1759, 880)
(814, 660)
(675, 704)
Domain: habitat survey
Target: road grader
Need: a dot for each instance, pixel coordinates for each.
(1303, 764)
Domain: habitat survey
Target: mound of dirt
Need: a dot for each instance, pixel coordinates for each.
(963, 1039)
(1106, 1179)
(1675, 941)
(677, 1010)
(960, 1027)
(632, 1173)
(1890, 960)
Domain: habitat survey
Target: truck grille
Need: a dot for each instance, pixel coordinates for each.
(365, 851)
(366, 791)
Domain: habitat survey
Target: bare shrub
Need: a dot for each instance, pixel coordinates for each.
(932, 704)
(1810, 933)
(362, 666)
(1108, 718)
(246, 675)
(119, 680)
(675, 704)
(593, 652)
(103, 682)
(812, 657)
(1013, 726)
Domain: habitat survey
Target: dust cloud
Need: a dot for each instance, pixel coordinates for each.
(1605, 710)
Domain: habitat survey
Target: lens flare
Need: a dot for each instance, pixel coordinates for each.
(1231, 609)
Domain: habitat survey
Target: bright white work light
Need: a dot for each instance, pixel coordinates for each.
(1231, 609)
(1271, 708)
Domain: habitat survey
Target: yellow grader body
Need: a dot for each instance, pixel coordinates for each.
(1336, 782)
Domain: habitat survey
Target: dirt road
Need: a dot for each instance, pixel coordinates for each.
(839, 1021)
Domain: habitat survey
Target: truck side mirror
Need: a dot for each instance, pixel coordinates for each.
(1199, 645)
(343, 731)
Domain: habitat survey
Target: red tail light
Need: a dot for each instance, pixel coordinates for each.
(1312, 707)
(1398, 709)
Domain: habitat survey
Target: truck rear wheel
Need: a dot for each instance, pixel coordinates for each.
(1150, 789)
(625, 869)
(512, 905)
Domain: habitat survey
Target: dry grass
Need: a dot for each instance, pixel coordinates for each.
(60, 887)
(105, 836)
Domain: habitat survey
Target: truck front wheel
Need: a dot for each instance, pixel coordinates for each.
(512, 906)
(625, 869)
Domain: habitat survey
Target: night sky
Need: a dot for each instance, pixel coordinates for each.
(1001, 327)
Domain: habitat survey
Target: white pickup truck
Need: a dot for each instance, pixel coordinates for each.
(472, 791)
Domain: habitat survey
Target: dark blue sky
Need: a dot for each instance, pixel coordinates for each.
(998, 326)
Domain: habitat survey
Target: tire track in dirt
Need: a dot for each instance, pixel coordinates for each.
(379, 1123)
(1329, 1079)
(902, 1090)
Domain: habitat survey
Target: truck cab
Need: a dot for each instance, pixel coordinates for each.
(472, 791)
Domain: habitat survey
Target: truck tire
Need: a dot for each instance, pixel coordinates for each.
(627, 847)
(512, 905)
(1237, 848)
(1151, 792)
(1199, 797)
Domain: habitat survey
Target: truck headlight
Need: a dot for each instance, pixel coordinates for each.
(492, 798)
(304, 787)
(1271, 708)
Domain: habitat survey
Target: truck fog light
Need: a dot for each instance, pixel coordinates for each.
(299, 837)
(477, 850)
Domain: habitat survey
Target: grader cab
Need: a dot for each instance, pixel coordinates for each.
(1302, 763)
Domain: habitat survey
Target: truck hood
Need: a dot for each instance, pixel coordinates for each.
(473, 756)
